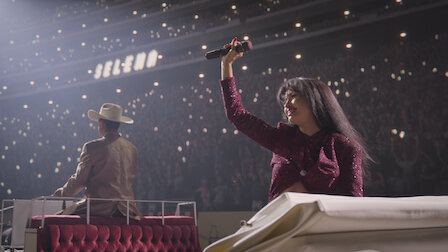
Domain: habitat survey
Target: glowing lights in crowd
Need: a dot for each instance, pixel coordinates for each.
(348, 45)
(403, 34)
(204, 47)
(244, 68)
(346, 12)
(246, 37)
(118, 90)
(298, 56)
(298, 25)
(201, 75)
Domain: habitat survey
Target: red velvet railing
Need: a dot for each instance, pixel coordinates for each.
(71, 233)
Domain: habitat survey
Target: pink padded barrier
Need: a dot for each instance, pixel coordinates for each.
(71, 233)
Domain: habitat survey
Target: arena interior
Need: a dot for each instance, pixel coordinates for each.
(385, 60)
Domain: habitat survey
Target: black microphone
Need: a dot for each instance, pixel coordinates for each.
(245, 46)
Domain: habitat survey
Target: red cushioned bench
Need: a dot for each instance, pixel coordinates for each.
(151, 233)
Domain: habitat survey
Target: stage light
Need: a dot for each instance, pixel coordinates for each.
(5, 87)
(56, 170)
(89, 71)
(25, 106)
(134, 32)
(348, 45)
(298, 25)
(17, 167)
(246, 38)
(163, 25)
(9, 191)
(402, 134)
(106, 20)
(403, 34)
(58, 49)
(118, 91)
(156, 84)
(83, 25)
(134, 13)
(338, 91)
(244, 68)
(196, 16)
(298, 56)
(201, 75)
(233, 7)
(39, 175)
(224, 130)
(235, 132)
(56, 77)
(204, 47)
(179, 148)
(105, 39)
(59, 31)
(163, 5)
(204, 130)
(32, 83)
(346, 12)
(156, 129)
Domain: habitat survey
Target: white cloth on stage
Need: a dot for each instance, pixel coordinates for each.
(314, 222)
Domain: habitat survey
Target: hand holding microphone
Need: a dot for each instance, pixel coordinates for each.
(232, 53)
(244, 46)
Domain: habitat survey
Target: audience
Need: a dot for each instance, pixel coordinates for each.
(189, 151)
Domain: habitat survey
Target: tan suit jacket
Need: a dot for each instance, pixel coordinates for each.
(106, 169)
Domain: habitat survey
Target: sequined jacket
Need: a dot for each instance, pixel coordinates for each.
(326, 162)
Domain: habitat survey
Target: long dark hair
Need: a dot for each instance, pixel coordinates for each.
(326, 109)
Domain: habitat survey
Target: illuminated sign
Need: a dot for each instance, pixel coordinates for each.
(131, 63)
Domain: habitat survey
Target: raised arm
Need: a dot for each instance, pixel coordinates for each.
(275, 139)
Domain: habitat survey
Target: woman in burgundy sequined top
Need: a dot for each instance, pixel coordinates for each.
(317, 152)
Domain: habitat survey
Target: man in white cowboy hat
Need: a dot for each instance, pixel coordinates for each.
(106, 169)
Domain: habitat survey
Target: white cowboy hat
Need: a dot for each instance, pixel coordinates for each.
(111, 112)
